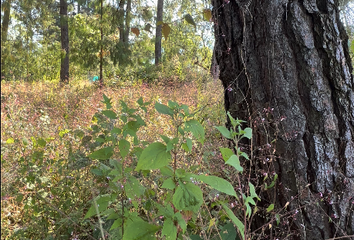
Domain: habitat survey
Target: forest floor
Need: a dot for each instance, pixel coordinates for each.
(32, 111)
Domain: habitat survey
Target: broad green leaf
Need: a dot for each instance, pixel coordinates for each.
(181, 222)
(233, 121)
(165, 139)
(140, 230)
(153, 157)
(133, 188)
(116, 130)
(117, 165)
(124, 147)
(189, 144)
(116, 224)
(167, 211)
(235, 220)
(228, 232)
(163, 109)
(140, 101)
(102, 154)
(172, 104)
(148, 27)
(270, 208)
(226, 153)
(107, 101)
(169, 184)
(100, 140)
(79, 133)
(224, 131)
(243, 154)
(217, 183)
(166, 171)
(110, 114)
(196, 129)
(97, 171)
(185, 109)
(250, 200)
(116, 173)
(188, 197)
(253, 191)
(190, 19)
(185, 147)
(41, 142)
(235, 162)
(169, 146)
(169, 229)
(248, 133)
(133, 125)
(102, 204)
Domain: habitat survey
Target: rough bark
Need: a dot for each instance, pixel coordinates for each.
(292, 56)
(158, 37)
(6, 6)
(64, 67)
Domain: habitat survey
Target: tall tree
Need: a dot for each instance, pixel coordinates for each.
(293, 56)
(6, 6)
(124, 19)
(64, 67)
(158, 38)
(101, 46)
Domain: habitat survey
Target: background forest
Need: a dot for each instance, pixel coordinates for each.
(31, 42)
(127, 142)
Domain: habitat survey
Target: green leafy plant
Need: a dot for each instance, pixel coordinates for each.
(232, 158)
(175, 194)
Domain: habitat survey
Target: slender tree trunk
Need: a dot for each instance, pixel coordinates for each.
(121, 20)
(64, 67)
(127, 20)
(6, 6)
(285, 67)
(101, 55)
(158, 32)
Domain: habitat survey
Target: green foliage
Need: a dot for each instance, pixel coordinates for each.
(33, 50)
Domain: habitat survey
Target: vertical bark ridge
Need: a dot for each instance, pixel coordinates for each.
(293, 56)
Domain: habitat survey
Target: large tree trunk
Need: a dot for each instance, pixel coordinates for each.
(158, 36)
(6, 6)
(64, 67)
(292, 56)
